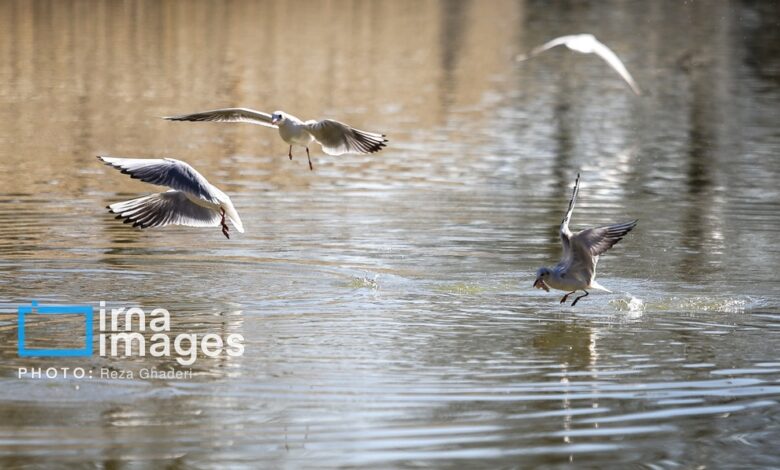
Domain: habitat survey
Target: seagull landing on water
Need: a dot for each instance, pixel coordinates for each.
(581, 251)
(587, 44)
(193, 201)
(336, 138)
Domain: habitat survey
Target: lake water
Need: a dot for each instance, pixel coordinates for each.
(385, 301)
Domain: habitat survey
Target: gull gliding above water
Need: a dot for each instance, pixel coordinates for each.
(587, 44)
(336, 138)
(581, 251)
(192, 201)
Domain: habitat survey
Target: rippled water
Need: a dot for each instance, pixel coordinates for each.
(386, 301)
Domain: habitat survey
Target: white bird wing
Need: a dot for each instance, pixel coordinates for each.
(595, 241)
(586, 246)
(168, 208)
(228, 115)
(338, 138)
(168, 172)
(612, 59)
(548, 45)
(570, 261)
(565, 231)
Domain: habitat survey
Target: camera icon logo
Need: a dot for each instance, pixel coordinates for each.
(33, 310)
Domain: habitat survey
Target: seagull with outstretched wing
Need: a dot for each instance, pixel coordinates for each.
(336, 138)
(581, 251)
(587, 44)
(192, 201)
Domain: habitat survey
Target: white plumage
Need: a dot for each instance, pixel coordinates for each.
(581, 251)
(336, 138)
(191, 201)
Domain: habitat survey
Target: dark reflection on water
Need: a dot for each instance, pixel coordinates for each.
(386, 301)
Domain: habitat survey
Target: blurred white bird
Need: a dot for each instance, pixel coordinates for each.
(587, 44)
(336, 138)
(581, 251)
(193, 201)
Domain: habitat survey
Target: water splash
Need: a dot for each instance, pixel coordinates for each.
(364, 282)
(705, 304)
(633, 306)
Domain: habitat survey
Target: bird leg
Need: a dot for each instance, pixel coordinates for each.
(578, 298)
(224, 225)
(309, 156)
(567, 296)
(289, 154)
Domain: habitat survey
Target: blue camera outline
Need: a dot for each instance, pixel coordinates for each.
(35, 309)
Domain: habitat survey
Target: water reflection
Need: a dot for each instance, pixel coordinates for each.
(701, 152)
(572, 345)
(758, 39)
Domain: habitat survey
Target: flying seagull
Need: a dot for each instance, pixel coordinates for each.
(581, 251)
(192, 201)
(336, 138)
(587, 44)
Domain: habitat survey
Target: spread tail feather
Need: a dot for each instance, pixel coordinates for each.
(596, 286)
(232, 214)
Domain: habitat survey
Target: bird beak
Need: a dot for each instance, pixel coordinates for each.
(274, 121)
(539, 284)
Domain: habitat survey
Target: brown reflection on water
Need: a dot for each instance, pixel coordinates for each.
(91, 77)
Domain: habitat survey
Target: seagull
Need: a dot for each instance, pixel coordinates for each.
(581, 251)
(336, 138)
(193, 201)
(587, 44)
